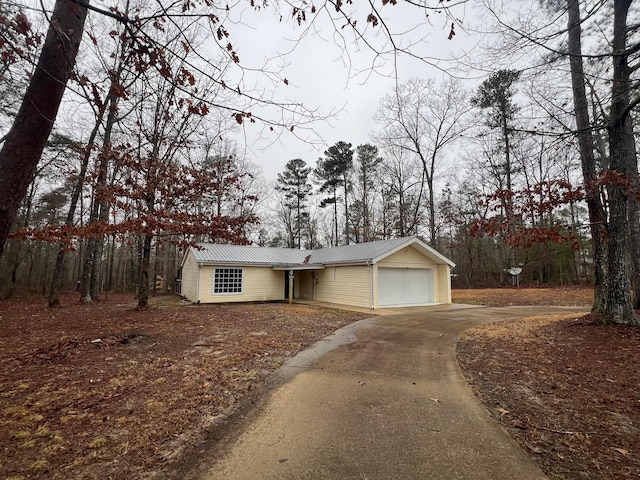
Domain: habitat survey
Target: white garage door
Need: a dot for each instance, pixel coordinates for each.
(405, 286)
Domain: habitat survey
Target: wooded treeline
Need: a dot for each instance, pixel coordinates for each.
(532, 169)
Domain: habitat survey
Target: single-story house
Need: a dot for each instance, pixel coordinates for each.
(386, 273)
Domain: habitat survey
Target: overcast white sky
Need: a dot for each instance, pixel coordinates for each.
(324, 76)
(327, 78)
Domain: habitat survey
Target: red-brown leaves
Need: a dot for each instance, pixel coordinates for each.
(118, 90)
(199, 108)
(221, 33)
(97, 97)
(17, 38)
(451, 32)
(299, 14)
(527, 217)
(240, 116)
(187, 5)
(158, 24)
(22, 24)
(186, 76)
(234, 55)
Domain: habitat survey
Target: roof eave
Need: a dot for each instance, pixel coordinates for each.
(363, 261)
(299, 266)
(212, 263)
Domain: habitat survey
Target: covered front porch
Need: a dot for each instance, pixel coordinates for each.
(299, 280)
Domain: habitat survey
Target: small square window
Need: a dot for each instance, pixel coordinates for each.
(227, 280)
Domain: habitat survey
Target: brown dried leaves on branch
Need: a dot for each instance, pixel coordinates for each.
(18, 38)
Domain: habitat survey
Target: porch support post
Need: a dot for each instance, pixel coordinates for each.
(291, 286)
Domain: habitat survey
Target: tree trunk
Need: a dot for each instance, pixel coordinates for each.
(618, 308)
(92, 272)
(18, 257)
(634, 210)
(298, 220)
(634, 218)
(27, 138)
(335, 215)
(112, 250)
(143, 292)
(402, 211)
(597, 222)
(58, 269)
(432, 211)
(509, 202)
(87, 268)
(345, 186)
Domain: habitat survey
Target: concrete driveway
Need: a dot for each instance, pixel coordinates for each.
(381, 399)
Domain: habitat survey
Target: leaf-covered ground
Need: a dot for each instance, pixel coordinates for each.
(566, 389)
(103, 391)
(504, 297)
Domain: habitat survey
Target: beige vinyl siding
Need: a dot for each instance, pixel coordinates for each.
(344, 285)
(258, 284)
(189, 284)
(375, 286)
(408, 257)
(442, 284)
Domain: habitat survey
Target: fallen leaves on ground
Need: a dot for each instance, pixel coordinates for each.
(101, 390)
(502, 297)
(567, 389)
(104, 391)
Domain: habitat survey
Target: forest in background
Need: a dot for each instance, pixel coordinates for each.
(489, 172)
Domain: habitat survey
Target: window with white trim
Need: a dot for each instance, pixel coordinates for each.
(227, 280)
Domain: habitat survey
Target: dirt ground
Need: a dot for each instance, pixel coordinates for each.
(566, 389)
(103, 391)
(504, 297)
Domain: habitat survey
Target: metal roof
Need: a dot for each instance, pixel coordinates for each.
(370, 252)
(359, 252)
(246, 254)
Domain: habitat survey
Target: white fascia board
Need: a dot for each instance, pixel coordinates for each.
(347, 263)
(310, 266)
(210, 263)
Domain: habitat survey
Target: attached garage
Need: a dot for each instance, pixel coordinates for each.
(405, 287)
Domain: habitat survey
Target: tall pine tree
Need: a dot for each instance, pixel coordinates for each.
(294, 182)
(334, 172)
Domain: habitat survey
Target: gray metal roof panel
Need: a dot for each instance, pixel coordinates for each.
(346, 254)
(215, 253)
(359, 252)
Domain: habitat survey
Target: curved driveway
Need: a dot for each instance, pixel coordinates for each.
(388, 403)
